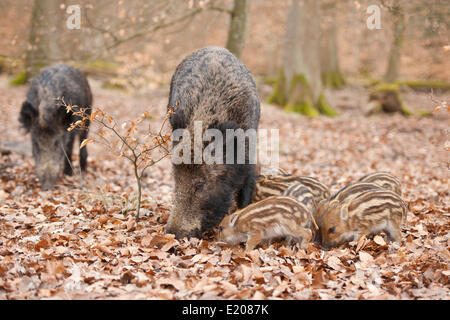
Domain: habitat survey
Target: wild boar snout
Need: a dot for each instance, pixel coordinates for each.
(181, 227)
(48, 154)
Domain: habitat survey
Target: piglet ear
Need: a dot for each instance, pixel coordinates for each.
(321, 207)
(344, 212)
(333, 203)
(323, 204)
(233, 219)
(27, 114)
(177, 120)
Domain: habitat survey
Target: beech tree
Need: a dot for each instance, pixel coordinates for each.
(43, 37)
(329, 58)
(238, 25)
(299, 85)
(398, 30)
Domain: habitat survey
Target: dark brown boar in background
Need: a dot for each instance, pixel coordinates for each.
(45, 116)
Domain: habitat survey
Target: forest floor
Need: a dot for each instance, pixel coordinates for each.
(73, 242)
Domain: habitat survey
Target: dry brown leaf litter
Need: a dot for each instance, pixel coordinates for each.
(75, 242)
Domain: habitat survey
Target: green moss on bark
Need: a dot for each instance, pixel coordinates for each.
(112, 85)
(424, 113)
(405, 111)
(425, 84)
(333, 80)
(300, 97)
(390, 99)
(390, 87)
(325, 108)
(270, 80)
(20, 79)
(279, 96)
(305, 108)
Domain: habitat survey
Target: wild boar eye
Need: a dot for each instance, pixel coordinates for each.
(331, 230)
(220, 229)
(198, 185)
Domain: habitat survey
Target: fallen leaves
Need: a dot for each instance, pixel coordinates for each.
(335, 263)
(365, 258)
(43, 243)
(379, 240)
(79, 242)
(163, 242)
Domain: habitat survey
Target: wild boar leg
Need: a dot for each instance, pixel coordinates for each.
(83, 151)
(68, 154)
(246, 193)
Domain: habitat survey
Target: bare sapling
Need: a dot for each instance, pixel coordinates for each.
(126, 140)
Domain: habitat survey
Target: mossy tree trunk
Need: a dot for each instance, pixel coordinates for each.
(386, 97)
(300, 97)
(329, 60)
(398, 37)
(279, 95)
(238, 26)
(299, 85)
(43, 37)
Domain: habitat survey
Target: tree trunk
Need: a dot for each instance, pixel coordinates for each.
(331, 72)
(238, 25)
(302, 44)
(43, 38)
(299, 87)
(386, 98)
(396, 48)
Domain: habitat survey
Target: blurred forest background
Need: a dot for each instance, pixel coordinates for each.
(298, 47)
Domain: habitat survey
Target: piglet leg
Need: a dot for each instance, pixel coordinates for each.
(304, 234)
(394, 233)
(253, 240)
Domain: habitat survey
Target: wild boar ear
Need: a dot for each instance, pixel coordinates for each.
(344, 212)
(27, 114)
(227, 125)
(65, 117)
(177, 120)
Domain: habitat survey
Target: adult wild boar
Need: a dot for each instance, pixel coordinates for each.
(214, 87)
(44, 115)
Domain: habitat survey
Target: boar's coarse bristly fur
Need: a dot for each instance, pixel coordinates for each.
(212, 86)
(44, 115)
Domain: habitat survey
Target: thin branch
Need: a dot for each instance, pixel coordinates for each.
(220, 9)
(136, 158)
(120, 137)
(92, 26)
(154, 29)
